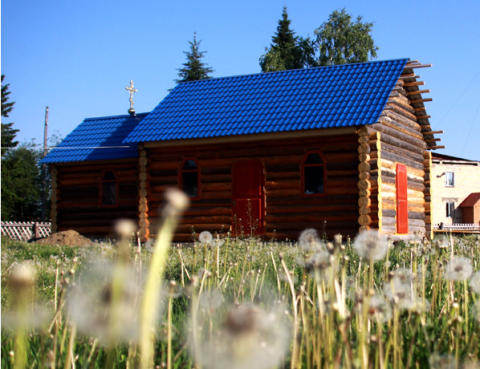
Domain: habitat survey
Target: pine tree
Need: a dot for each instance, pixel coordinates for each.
(194, 68)
(287, 51)
(340, 41)
(8, 133)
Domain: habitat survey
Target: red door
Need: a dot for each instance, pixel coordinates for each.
(402, 201)
(248, 197)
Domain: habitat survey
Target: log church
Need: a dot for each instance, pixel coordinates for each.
(338, 148)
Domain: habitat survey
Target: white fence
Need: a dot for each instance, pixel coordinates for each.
(457, 227)
(26, 231)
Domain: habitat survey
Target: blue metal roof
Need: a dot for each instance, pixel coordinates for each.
(97, 139)
(302, 99)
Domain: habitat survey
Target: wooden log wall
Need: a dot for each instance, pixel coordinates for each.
(428, 194)
(54, 198)
(288, 210)
(369, 180)
(78, 203)
(402, 141)
(143, 221)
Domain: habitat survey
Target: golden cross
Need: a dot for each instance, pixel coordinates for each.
(131, 90)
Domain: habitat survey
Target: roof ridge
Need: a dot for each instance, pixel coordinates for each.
(290, 70)
(116, 116)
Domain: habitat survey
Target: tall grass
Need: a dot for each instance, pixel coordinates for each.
(237, 303)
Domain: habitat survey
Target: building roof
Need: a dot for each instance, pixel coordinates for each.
(293, 100)
(438, 156)
(471, 200)
(97, 139)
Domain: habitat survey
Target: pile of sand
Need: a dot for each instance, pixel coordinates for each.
(67, 238)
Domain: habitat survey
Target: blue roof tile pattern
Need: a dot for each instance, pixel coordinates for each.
(97, 139)
(302, 99)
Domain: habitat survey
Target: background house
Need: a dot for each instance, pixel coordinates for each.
(453, 180)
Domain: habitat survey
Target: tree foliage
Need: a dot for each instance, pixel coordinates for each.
(21, 184)
(337, 41)
(8, 132)
(287, 50)
(340, 41)
(194, 68)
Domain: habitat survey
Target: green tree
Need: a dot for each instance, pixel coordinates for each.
(194, 68)
(21, 184)
(340, 41)
(287, 50)
(8, 132)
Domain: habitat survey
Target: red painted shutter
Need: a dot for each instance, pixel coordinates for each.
(402, 201)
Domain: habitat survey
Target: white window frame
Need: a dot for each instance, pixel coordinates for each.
(449, 179)
(450, 209)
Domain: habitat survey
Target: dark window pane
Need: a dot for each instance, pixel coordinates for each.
(109, 195)
(313, 180)
(190, 183)
(190, 164)
(109, 176)
(313, 159)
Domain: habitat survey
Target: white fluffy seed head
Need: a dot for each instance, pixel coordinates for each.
(475, 282)
(370, 245)
(309, 239)
(125, 228)
(205, 238)
(459, 268)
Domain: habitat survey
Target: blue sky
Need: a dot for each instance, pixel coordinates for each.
(77, 56)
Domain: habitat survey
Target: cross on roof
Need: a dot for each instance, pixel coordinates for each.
(131, 89)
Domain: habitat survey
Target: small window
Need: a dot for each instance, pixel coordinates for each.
(450, 209)
(109, 191)
(313, 174)
(449, 179)
(190, 178)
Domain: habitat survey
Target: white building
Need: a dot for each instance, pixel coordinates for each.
(453, 180)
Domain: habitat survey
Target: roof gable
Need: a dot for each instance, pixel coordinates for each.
(293, 100)
(97, 139)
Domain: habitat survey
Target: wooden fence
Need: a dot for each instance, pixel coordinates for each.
(26, 231)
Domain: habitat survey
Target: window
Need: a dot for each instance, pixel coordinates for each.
(449, 179)
(109, 189)
(189, 178)
(450, 209)
(313, 174)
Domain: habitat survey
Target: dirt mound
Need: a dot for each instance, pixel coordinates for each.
(67, 238)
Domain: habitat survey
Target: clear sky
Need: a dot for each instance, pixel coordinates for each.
(77, 56)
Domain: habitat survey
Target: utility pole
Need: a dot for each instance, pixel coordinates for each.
(45, 133)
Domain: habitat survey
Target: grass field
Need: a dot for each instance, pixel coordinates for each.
(231, 303)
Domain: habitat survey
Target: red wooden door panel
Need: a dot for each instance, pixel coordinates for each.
(402, 200)
(248, 197)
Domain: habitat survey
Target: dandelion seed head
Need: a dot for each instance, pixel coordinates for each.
(370, 245)
(378, 308)
(437, 361)
(177, 202)
(309, 239)
(125, 228)
(459, 268)
(205, 238)
(90, 302)
(475, 282)
(399, 293)
(22, 276)
(244, 336)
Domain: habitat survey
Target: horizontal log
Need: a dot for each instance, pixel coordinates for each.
(415, 83)
(418, 92)
(313, 218)
(210, 219)
(417, 101)
(311, 208)
(390, 154)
